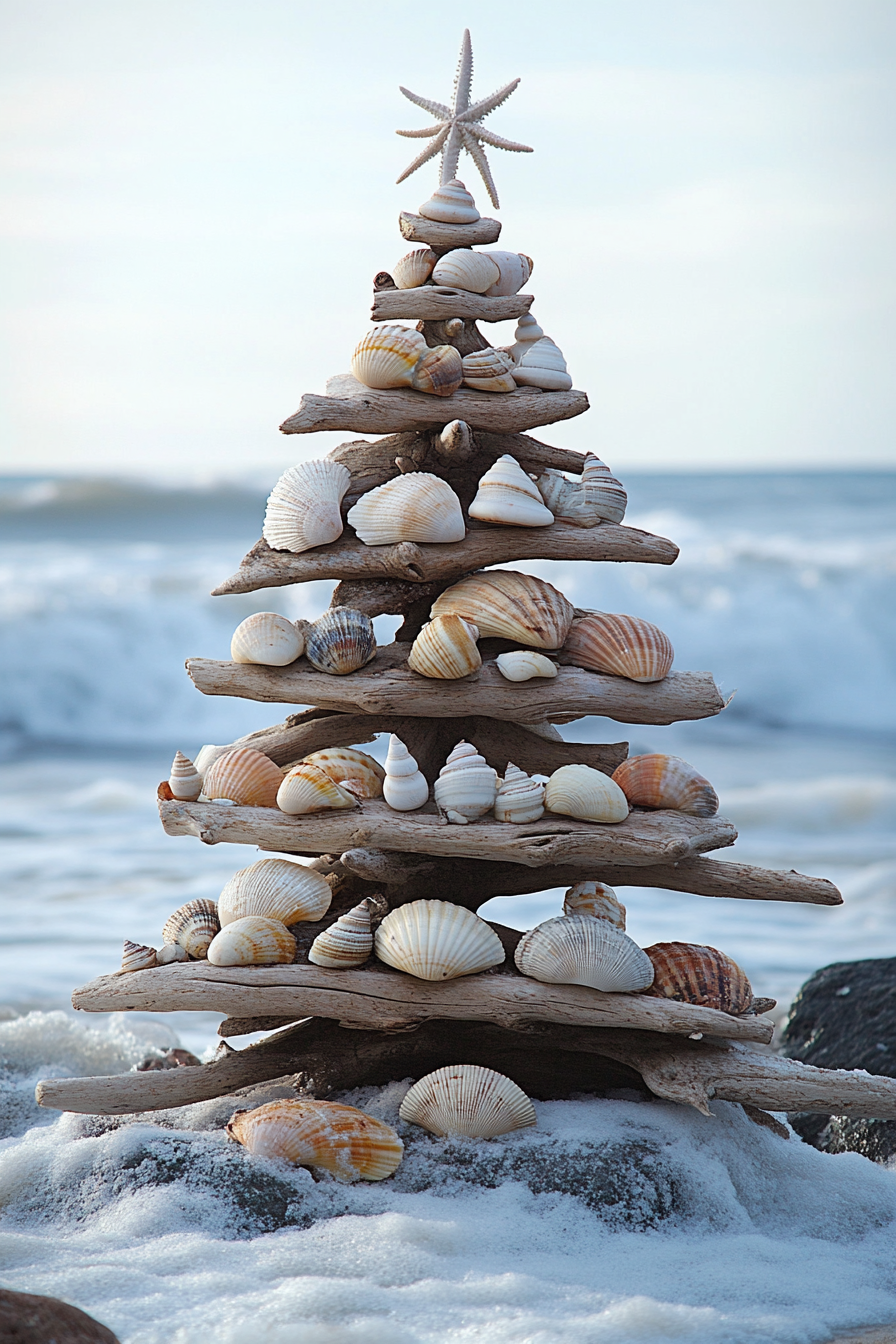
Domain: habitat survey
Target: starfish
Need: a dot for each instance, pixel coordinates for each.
(459, 128)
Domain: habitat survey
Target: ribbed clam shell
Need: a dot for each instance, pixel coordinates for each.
(691, 973)
(357, 772)
(303, 508)
(171, 952)
(267, 639)
(624, 646)
(450, 203)
(435, 940)
(340, 1139)
(244, 776)
(466, 786)
(595, 899)
(440, 372)
(252, 941)
(473, 272)
(543, 365)
(581, 950)
(387, 356)
(527, 333)
(192, 927)
(489, 371)
(414, 507)
(275, 889)
(507, 495)
(340, 641)
(595, 498)
(467, 1099)
(655, 780)
(504, 604)
(306, 788)
(519, 798)
(414, 268)
(524, 664)
(405, 787)
(446, 648)
(348, 942)
(514, 269)
(207, 755)
(137, 957)
(185, 781)
(586, 794)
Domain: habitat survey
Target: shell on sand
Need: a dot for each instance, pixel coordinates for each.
(340, 1139)
(582, 950)
(434, 940)
(467, 1099)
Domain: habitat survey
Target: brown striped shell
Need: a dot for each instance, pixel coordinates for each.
(340, 1139)
(505, 604)
(352, 769)
(243, 776)
(193, 926)
(655, 780)
(624, 646)
(691, 973)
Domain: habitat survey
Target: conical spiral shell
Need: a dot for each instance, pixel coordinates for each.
(514, 269)
(435, 940)
(348, 942)
(387, 356)
(691, 973)
(655, 780)
(595, 899)
(504, 604)
(405, 787)
(586, 794)
(252, 941)
(524, 664)
(507, 495)
(303, 508)
(306, 788)
(439, 372)
(581, 950)
(137, 957)
(414, 507)
(543, 365)
(340, 641)
(470, 1100)
(473, 272)
(192, 927)
(527, 333)
(414, 268)
(624, 646)
(243, 776)
(267, 639)
(353, 770)
(519, 798)
(450, 203)
(275, 889)
(466, 786)
(446, 648)
(340, 1139)
(489, 371)
(595, 498)
(185, 781)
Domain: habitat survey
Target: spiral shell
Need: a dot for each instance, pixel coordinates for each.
(470, 1100)
(508, 605)
(340, 1139)
(435, 940)
(527, 333)
(446, 648)
(348, 942)
(519, 798)
(303, 508)
(192, 927)
(306, 788)
(405, 787)
(185, 781)
(691, 973)
(252, 941)
(624, 646)
(450, 203)
(543, 365)
(353, 770)
(595, 899)
(595, 498)
(507, 495)
(414, 269)
(171, 952)
(267, 639)
(655, 780)
(473, 272)
(586, 794)
(340, 641)
(387, 356)
(524, 664)
(514, 269)
(489, 371)
(243, 776)
(440, 371)
(581, 950)
(466, 786)
(414, 507)
(136, 957)
(275, 889)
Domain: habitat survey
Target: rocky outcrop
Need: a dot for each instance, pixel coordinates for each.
(26, 1318)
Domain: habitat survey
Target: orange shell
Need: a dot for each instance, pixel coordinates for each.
(245, 776)
(624, 646)
(691, 973)
(655, 780)
(341, 1139)
(354, 770)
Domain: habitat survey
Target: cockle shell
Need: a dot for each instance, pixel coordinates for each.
(473, 272)
(354, 770)
(348, 942)
(243, 776)
(137, 957)
(586, 794)
(624, 646)
(440, 371)
(466, 786)
(489, 371)
(306, 788)
(207, 755)
(524, 664)
(405, 787)
(655, 780)
(416, 506)
(252, 941)
(504, 604)
(387, 356)
(303, 508)
(267, 639)
(340, 1139)
(527, 333)
(446, 648)
(185, 781)
(435, 940)
(450, 203)
(543, 365)
(514, 269)
(171, 952)
(519, 798)
(414, 269)
(582, 950)
(340, 641)
(595, 899)
(467, 1099)
(595, 498)
(507, 495)
(192, 927)
(691, 973)
(275, 889)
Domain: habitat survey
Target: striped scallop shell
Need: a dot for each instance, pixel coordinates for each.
(267, 639)
(655, 780)
(624, 646)
(136, 957)
(691, 973)
(474, 272)
(275, 889)
(416, 506)
(581, 950)
(340, 1139)
(450, 203)
(405, 787)
(440, 372)
(543, 365)
(243, 776)
(252, 941)
(470, 1100)
(414, 268)
(586, 794)
(507, 495)
(306, 788)
(595, 899)
(192, 927)
(348, 942)
(387, 356)
(446, 648)
(509, 605)
(519, 798)
(185, 781)
(489, 371)
(596, 497)
(514, 269)
(466, 786)
(524, 664)
(303, 508)
(354, 770)
(340, 641)
(207, 755)
(435, 940)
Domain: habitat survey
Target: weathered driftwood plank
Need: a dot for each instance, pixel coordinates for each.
(418, 229)
(437, 303)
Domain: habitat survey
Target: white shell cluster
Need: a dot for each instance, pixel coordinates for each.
(586, 794)
(466, 786)
(414, 507)
(304, 506)
(435, 940)
(267, 639)
(507, 495)
(467, 1099)
(597, 497)
(519, 798)
(582, 950)
(405, 787)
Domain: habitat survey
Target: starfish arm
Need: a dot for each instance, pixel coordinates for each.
(428, 153)
(497, 141)
(451, 155)
(489, 104)
(422, 134)
(463, 80)
(437, 109)
(477, 154)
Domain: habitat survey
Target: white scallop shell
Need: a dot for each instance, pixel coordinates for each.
(387, 356)
(543, 365)
(348, 942)
(306, 788)
(275, 889)
(466, 786)
(267, 639)
(185, 781)
(253, 941)
(524, 664)
(414, 269)
(527, 334)
(171, 952)
(405, 787)
(193, 926)
(595, 899)
(519, 798)
(586, 794)
(450, 203)
(507, 495)
(435, 940)
(303, 508)
(473, 272)
(446, 648)
(582, 950)
(470, 1100)
(514, 269)
(137, 957)
(489, 371)
(416, 506)
(597, 497)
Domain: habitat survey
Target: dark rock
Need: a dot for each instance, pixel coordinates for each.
(171, 1059)
(26, 1318)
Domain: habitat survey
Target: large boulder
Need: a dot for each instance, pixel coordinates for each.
(26, 1318)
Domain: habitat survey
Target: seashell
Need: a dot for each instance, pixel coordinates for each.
(504, 604)
(340, 1139)
(207, 755)
(655, 780)
(527, 334)
(416, 506)
(446, 648)
(581, 950)
(136, 957)
(624, 646)
(169, 953)
(691, 973)
(348, 942)
(489, 371)
(192, 927)
(354, 770)
(507, 495)
(405, 787)
(467, 1099)
(473, 272)
(243, 776)
(435, 940)
(524, 664)
(514, 269)
(306, 788)
(542, 365)
(595, 899)
(185, 781)
(387, 356)
(450, 203)
(596, 497)
(340, 641)
(304, 506)
(519, 798)
(275, 889)
(268, 639)
(414, 269)
(252, 941)
(466, 786)
(586, 794)
(440, 372)
(456, 440)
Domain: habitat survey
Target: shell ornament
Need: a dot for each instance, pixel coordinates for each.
(450, 203)
(586, 794)
(439, 372)
(691, 973)
(267, 639)
(446, 648)
(416, 506)
(467, 1099)
(505, 604)
(243, 776)
(275, 889)
(527, 334)
(514, 269)
(185, 781)
(597, 497)
(192, 927)
(466, 786)
(342, 1140)
(507, 495)
(655, 780)
(387, 356)
(524, 664)
(252, 941)
(405, 787)
(519, 798)
(348, 942)
(595, 899)
(304, 507)
(434, 940)
(306, 788)
(623, 646)
(582, 950)
(340, 641)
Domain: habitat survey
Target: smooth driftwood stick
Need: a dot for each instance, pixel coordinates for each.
(437, 303)
(418, 229)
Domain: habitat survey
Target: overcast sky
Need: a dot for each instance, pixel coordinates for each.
(196, 194)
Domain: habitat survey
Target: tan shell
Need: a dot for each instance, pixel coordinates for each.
(507, 495)
(467, 1099)
(464, 269)
(243, 776)
(348, 942)
(340, 1139)
(192, 927)
(387, 356)
(519, 798)
(509, 605)
(353, 770)
(489, 371)
(581, 950)
(595, 498)
(466, 786)
(405, 787)
(691, 973)
(434, 940)
(185, 781)
(137, 957)
(171, 952)
(655, 780)
(543, 365)
(446, 648)
(416, 506)
(252, 941)
(414, 268)
(304, 507)
(340, 641)
(514, 269)
(524, 664)
(275, 889)
(267, 639)
(595, 899)
(306, 788)
(450, 203)
(624, 646)
(586, 794)
(440, 372)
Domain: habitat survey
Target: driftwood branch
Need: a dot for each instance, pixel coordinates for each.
(437, 303)
(418, 229)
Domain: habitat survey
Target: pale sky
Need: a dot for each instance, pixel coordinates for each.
(196, 195)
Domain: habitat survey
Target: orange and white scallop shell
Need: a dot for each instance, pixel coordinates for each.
(340, 1139)
(243, 776)
(623, 646)
(655, 780)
